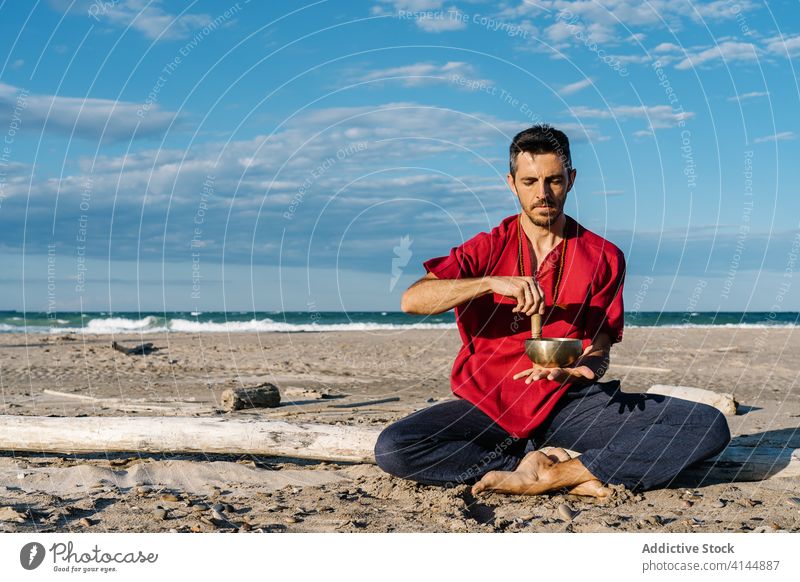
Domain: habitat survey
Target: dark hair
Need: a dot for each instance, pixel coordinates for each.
(539, 139)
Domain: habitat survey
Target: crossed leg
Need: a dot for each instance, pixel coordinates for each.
(640, 441)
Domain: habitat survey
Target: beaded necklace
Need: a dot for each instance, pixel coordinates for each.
(557, 285)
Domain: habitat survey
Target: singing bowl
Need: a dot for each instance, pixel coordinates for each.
(553, 352)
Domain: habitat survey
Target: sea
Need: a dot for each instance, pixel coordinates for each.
(102, 322)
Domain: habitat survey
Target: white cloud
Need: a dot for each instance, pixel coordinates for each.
(149, 18)
(90, 118)
(751, 95)
(571, 25)
(785, 45)
(603, 21)
(782, 136)
(667, 47)
(641, 59)
(728, 51)
(401, 165)
(422, 73)
(657, 116)
(575, 87)
(428, 15)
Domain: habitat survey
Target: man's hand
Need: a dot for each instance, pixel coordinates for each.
(525, 290)
(591, 365)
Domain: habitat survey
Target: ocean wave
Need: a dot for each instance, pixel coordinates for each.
(715, 326)
(152, 324)
(269, 325)
(187, 325)
(6, 328)
(120, 325)
(181, 323)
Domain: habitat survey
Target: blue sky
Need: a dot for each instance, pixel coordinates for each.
(266, 155)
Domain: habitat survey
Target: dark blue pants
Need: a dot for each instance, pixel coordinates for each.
(637, 440)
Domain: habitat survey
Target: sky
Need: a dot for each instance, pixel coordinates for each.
(161, 155)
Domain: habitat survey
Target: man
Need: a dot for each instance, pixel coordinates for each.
(540, 261)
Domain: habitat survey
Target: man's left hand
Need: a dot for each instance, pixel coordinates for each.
(589, 366)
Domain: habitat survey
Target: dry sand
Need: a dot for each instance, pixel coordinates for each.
(131, 492)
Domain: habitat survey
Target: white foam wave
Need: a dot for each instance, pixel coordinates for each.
(268, 325)
(120, 325)
(187, 325)
(714, 326)
(150, 324)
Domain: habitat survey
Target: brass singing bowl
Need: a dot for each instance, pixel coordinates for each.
(553, 352)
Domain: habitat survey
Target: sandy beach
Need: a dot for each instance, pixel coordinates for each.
(317, 373)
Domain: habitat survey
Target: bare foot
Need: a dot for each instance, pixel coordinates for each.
(593, 488)
(528, 479)
(542, 471)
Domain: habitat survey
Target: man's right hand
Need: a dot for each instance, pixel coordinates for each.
(525, 290)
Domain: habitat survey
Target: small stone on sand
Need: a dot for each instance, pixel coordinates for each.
(11, 514)
(567, 512)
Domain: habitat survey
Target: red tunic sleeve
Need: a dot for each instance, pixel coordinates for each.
(606, 312)
(471, 259)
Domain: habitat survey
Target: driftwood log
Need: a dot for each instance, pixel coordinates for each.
(140, 350)
(366, 402)
(723, 402)
(752, 457)
(173, 434)
(261, 396)
(748, 458)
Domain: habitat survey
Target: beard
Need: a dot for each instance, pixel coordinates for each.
(544, 216)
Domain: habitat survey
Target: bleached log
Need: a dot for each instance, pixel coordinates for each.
(748, 458)
(132, 404)
(738, 463)
(723, 402)
(72, 395)
(187, 435)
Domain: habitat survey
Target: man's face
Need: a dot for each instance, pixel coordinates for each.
(541, 184)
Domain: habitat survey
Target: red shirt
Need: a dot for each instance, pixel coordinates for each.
(493, 350)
